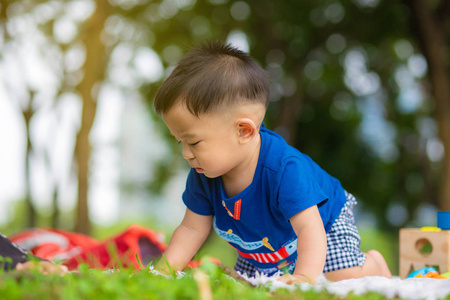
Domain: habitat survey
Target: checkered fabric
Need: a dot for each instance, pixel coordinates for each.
(343, 241)
(244, 267)
(343, 244)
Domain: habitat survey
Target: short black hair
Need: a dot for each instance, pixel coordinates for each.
(211, 75)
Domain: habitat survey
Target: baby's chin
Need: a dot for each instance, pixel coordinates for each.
(206, 173)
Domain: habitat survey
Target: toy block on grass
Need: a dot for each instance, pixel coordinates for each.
(422, 248)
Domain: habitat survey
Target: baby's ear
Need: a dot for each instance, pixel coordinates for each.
(246, 129)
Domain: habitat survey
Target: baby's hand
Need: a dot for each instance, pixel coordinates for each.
(44, 267)
(295, 278)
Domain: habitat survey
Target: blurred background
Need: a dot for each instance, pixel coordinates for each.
(361, 86)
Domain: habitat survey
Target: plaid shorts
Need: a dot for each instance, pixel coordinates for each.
(343, 244)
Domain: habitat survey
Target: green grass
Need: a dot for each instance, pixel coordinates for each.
(371, 238)
(129, 284)
(132, 284)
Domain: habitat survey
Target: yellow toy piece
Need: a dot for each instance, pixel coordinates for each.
(430, 228)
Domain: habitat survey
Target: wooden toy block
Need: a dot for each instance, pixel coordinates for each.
(412, 240)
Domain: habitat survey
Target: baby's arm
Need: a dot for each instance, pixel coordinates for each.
(311, 246)
(185, 242)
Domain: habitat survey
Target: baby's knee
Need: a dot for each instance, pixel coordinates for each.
(377, 263)
(376, 256)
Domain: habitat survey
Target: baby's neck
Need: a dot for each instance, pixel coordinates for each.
(241, 177)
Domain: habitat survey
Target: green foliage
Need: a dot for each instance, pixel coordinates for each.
(325, 112)
(324, 121)
(129, 284)
(5, 262)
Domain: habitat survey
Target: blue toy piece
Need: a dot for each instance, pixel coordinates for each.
(421, 271)
(443, 220)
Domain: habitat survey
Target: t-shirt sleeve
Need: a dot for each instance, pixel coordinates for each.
(298, 189)
(195, 196)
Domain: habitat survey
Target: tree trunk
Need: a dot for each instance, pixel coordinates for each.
(287, 117)
(94, 69)
(432, 39)
(55, 212)
(31, 211)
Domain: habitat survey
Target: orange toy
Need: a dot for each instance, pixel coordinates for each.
(431, 274)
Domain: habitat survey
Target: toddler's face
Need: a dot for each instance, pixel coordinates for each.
(210, 142)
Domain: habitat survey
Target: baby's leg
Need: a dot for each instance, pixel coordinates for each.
(375, 265)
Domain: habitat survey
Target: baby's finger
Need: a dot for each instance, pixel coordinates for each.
(286, 278)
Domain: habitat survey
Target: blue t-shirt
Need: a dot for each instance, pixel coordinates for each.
(256, 221)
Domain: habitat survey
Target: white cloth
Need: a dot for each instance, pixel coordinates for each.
(411, 288)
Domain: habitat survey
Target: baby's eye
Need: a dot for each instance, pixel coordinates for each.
(193, 144)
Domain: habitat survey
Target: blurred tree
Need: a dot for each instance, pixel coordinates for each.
(94, 70)
(430, 28)
(28, 109)
(28, 113)
(349, 92)
(348, 82)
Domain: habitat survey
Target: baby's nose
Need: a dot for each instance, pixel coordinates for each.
(187, 153)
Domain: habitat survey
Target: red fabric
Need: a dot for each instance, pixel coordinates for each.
(52, 244)
(74, 248)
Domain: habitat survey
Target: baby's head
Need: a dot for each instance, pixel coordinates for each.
(214, 103)
(212, 78)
